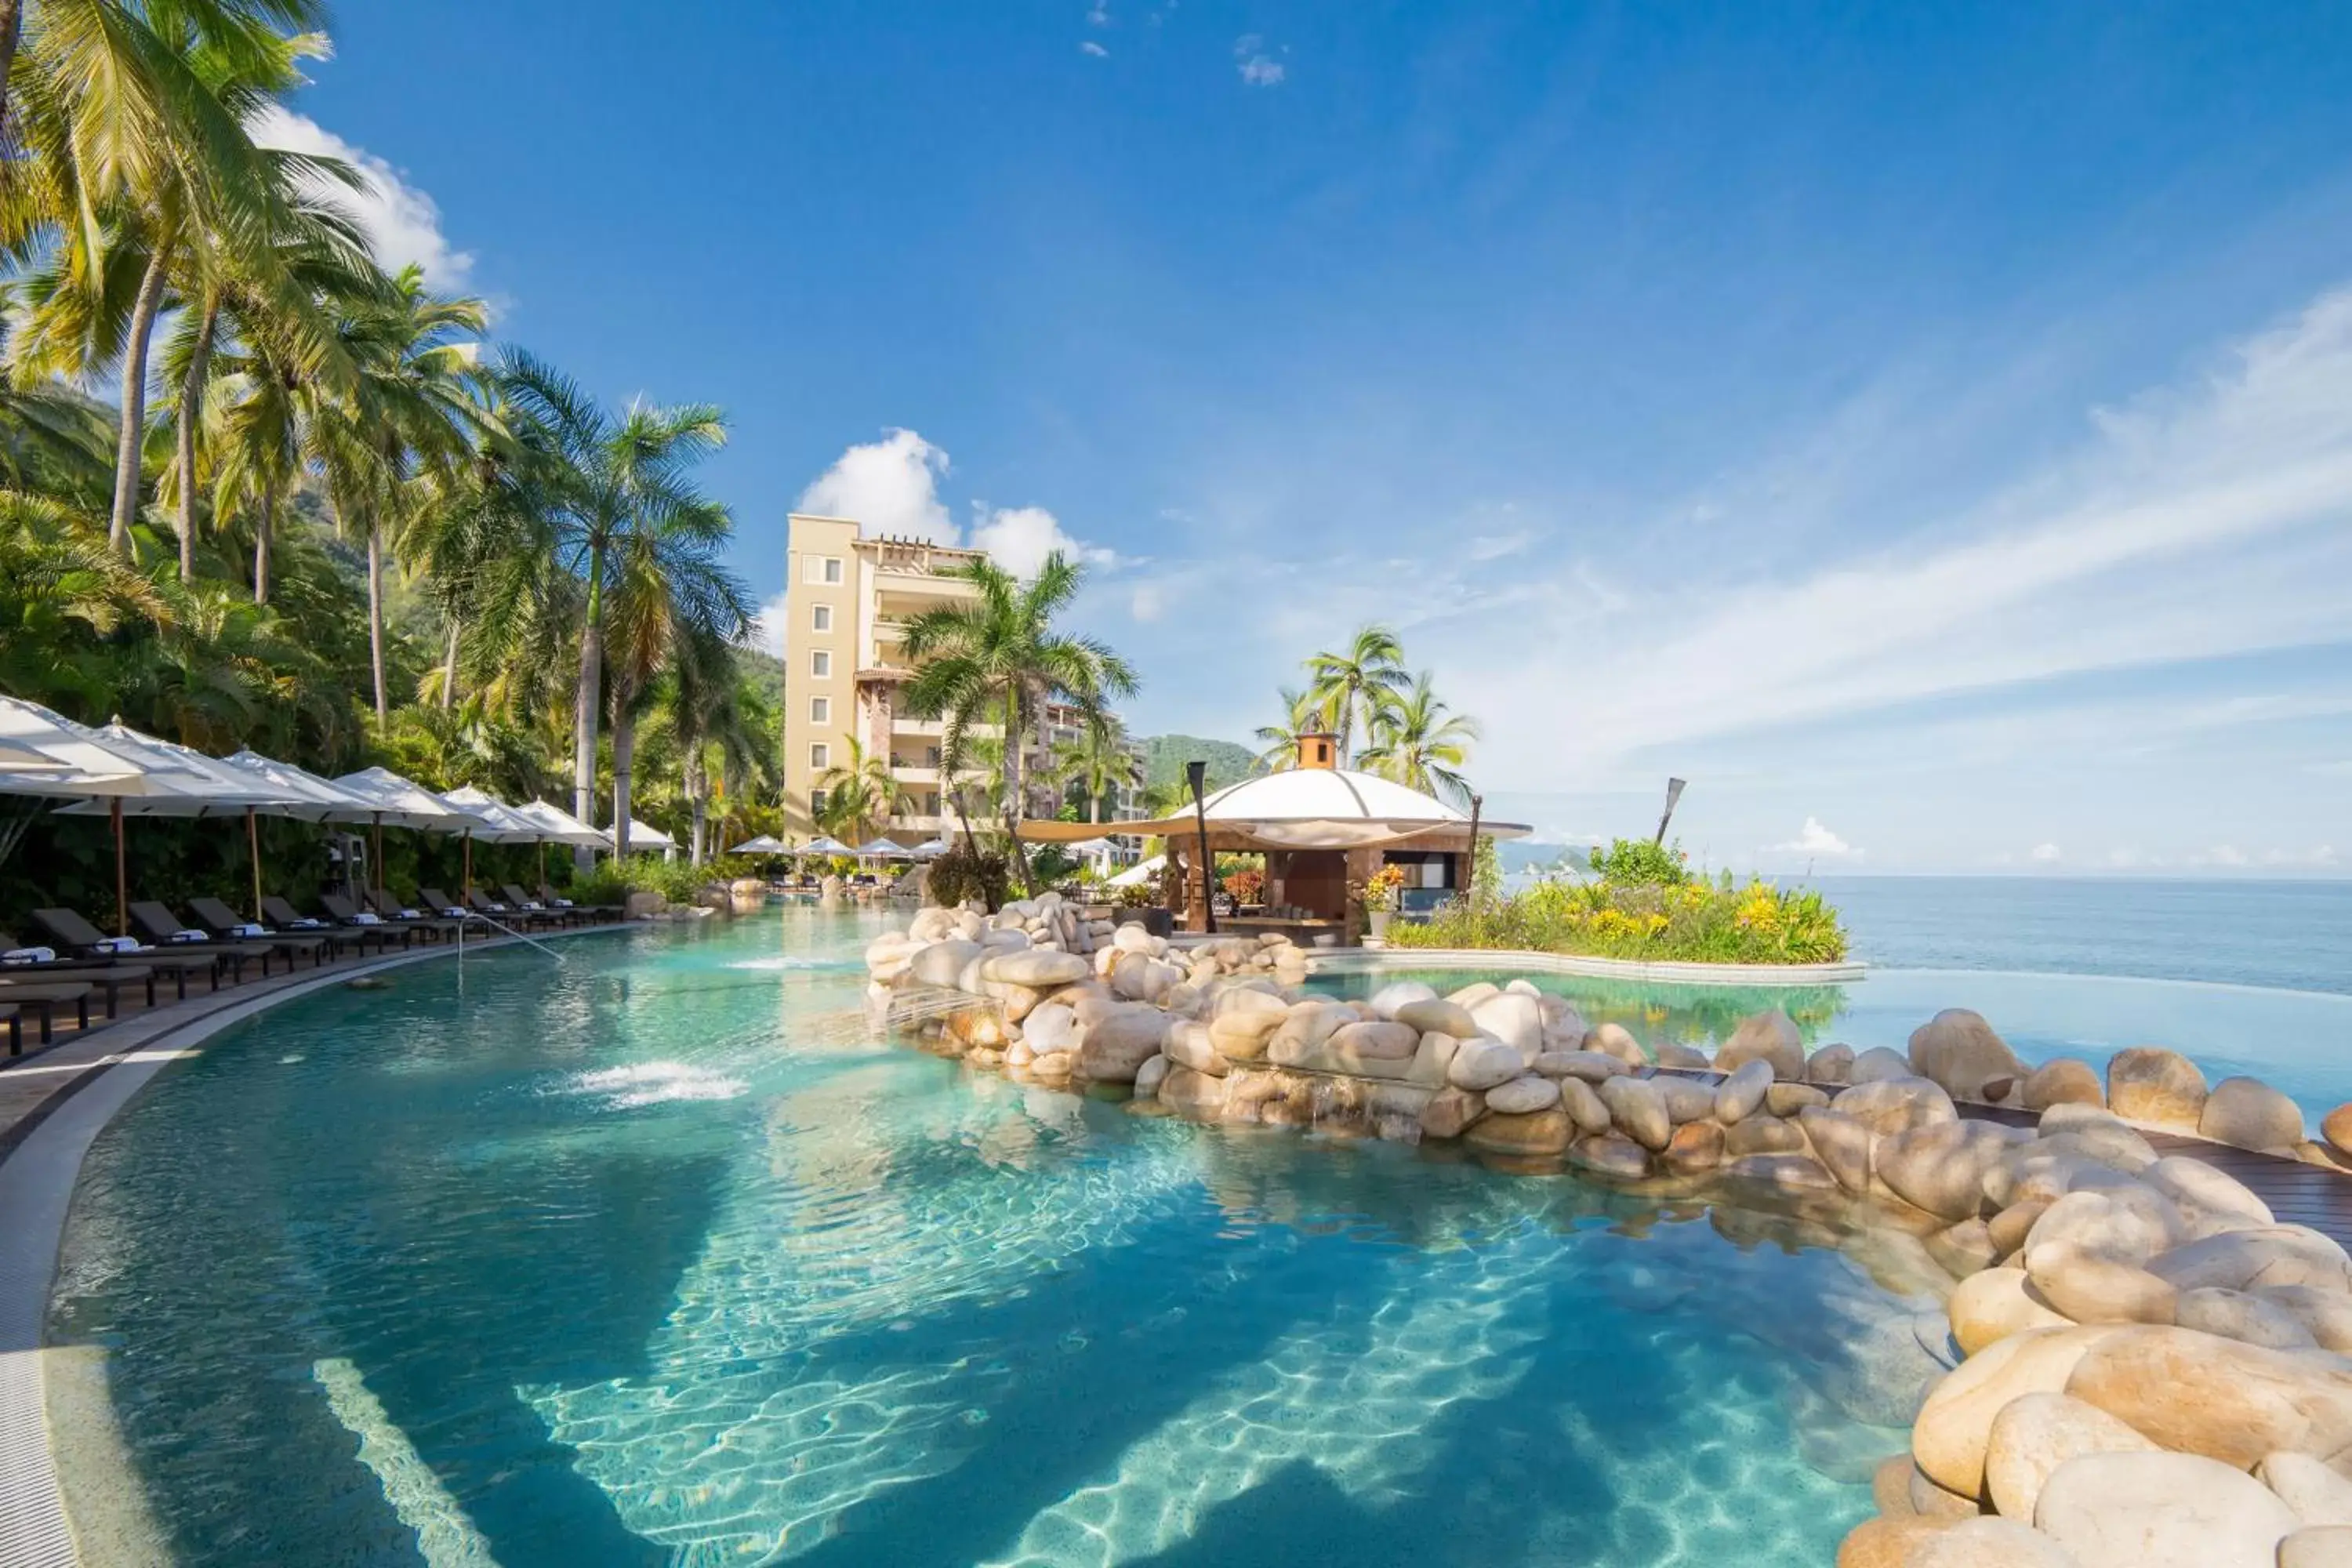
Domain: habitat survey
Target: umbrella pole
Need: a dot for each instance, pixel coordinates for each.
(469, 864)
(121, 877)
(253, 855)
(375, 863)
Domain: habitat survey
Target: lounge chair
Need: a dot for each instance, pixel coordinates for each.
(86, 941)
(16, 1028)
(537, 908)
(285, 917)
(514, 920)
(590, 914)
(227, 924)
(47, 997)
(372, 925)
(435, 925)
(160, 926)
(442, 904)
(108, 978)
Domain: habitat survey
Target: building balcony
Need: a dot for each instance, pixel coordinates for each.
(902, 725)
(914, 772)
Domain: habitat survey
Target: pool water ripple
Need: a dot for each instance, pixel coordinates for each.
(649, 1259)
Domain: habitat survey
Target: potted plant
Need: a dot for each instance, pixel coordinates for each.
(1379, 893)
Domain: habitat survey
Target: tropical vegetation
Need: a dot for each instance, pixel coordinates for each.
(1643, 902)
(258, 488)
(1366, 690)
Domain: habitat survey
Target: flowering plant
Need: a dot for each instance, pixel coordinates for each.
(1379, 891)
(1246, 885)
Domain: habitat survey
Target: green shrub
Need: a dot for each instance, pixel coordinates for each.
(968, 872)
(1636, 863)
(679, 881)
(1689, 921)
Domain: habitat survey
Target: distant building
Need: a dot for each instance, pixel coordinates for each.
(848, 598)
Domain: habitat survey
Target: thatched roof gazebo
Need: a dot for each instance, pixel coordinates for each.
(1323, 830)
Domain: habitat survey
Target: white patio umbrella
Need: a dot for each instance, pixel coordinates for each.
(179, 782)
(48, 754)
(563, 827)
(929, 849)
(402, 803)
(1135, 876)
(766, 844)
(312, 799)
(825, 845)
(500, 824)
(880, 850)
(643, 836)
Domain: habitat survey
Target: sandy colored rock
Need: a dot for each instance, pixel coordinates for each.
(1686, 1099)
(1514, 1018)
(1928, 1501)
(1988, 1307)
(1889, 1106)
(1674, 1054)
(1148, 1077)
(2251, 1259)
(1616, 1040)
(1769, 1037)
(1523, 1096)
(1038, 967)
(2318, 1493)
(2325, 1314)
(2197, 1187)
(1592, 1066)
(2161, 1088)
(2250, 1114)
(1962, 1249)
(1949, 1437)
(1481, 1064)
(1439, 1016)
(1890, 1486)
(1120, 1042)
(1785, 1099)
(1609, 1157)
(1831, 1064)
(2012, 1225)
(1763, 1135)
(1986, 1542)
(2317, 1546)
(1960, 1051)
(1639, 1111)
(1841, 1143)
(2127, 1224)
(2336, 1128)
(1940, 1168)
(2195, 1393)
(2062, 1081)
(2093, 1290)
(1389, 999)
(1783, 1172)
(1449, 1112)
(2242, 1316)
(1878, 1064)
(1542, 1133)
(1888, 1543)
(2162, 1510)
(1696, 1147)
(1742, 1094)
(1191, 1045)
(2034, 1434)
(1195, 1093)
(1583, 1106)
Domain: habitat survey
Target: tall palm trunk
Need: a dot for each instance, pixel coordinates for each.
(449, 665)
(12, 23)
(149, 299)
(584, 707)
(625, 750)
(262, 522)
(376, 619)
(191, 407)
(1013, 801)
(695, 789)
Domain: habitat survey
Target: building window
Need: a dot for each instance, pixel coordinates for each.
(816, 803)
(821, 665)
(824, 570)
(821, 618)
(820, 709)
(931, 756)
(820, 755)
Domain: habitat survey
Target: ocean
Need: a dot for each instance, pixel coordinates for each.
(2281, 935)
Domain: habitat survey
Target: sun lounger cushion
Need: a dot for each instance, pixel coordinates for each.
(29, 955)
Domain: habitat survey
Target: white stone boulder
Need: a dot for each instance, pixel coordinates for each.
(1878, 1064)
(2250, 1259)
(1148, 1076)
(2162, 1510)
(1954, 1425)
(2034, 1434)
(1398, 993)
(1770, 1037)
(1941, 1167)
(1050, 1027)
(2123, 1224)
(1639, 1111)
(1038, 968)
(2092, 1289)
(1482, 1064)
(1120, 1043)
(2161, 1088)
(2317, 1546)
(941, 963)
(1190, 1045)
(1583, 1106)
(1514, 1018)
(2250, 1114)
(1741, 1095)
(2198, 1188)
(1994, 1303)
(1889, 1106)
(1833, 1064)
(2195, 1393)
(2240, 1315)
(2317, 1492)
(1438, 1015)
(1959, 1050)
(1520, 1096)
(1988, 1542)
(1616, 1040)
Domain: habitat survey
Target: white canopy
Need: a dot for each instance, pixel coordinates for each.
(930, 849)
(1135, 876)
(822, 845)
(560, 825)
(763, 844)
(398, 803)
(310, 797)
(48, 754)
(180, 782)
(643, 838)
(497, 823)
(880, 850)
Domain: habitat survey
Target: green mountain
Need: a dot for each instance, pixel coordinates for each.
(1164, 757)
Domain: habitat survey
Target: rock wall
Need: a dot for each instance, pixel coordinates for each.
(2148, 1368)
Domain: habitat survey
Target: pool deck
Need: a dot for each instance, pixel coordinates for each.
(53, 1104)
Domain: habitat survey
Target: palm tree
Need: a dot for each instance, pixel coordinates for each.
(998, 654)
(1418, 741)
(110, 36)
(1355, 680)
(1302, 715)
(1098, 762)
(614, 491)
(714, 712)
(860, 795)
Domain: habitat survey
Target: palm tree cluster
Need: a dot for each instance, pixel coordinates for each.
(346, 528)
(1409, 734)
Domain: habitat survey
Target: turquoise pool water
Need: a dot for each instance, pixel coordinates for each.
(657, 1258)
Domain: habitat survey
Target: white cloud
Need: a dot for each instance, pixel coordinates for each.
(1257, 68)
(1495, 546)
(1098, 14)
(890, 486)
(2045, 854)
(2316, 857)
(768, 625)
(2220, 855)
(1816, 840)
(1020, 538)
(1147, 603)
(1091, 47)
(401, 222)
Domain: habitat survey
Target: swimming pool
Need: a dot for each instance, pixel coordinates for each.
(654, 1257)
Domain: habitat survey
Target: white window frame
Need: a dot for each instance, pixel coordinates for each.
(821, 618)
(820, 664)
(820, 755)
(820, 709)
(821, 571)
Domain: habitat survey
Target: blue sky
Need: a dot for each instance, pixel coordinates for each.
(1927, 429)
